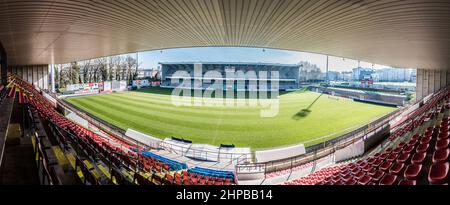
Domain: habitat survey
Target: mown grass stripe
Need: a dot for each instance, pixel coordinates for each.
(150, 111)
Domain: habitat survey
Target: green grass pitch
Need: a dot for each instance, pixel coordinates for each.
(150, 111)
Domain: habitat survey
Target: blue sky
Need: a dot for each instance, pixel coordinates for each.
(150, 59)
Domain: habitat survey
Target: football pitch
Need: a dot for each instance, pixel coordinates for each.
(304, 117)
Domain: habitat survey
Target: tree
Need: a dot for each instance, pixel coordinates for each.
(110, 68)
(65, 75)
(131, 69)
(102, 64)
(309, 72)
(74, 73)
(56, 77)
(100, 69)
(61, 76)
(86, 69)
(117, 62)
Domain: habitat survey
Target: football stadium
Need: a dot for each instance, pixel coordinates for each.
(151, 111)
(79, 107)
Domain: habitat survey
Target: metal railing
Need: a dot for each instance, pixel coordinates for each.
(242, 160)
(216, 156)
(321, 150)
(233, 158)
(102, 125)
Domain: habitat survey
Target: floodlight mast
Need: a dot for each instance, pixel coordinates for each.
(327, 82)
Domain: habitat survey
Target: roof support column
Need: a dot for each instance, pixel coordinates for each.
(52, 71)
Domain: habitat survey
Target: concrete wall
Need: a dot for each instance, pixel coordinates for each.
(431, 81)
(37, 75)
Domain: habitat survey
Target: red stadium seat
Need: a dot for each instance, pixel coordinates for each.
(227, 183)
(385, 166)
(388, 179)
(412, 142)
(347, 177)
(407, 182)
(388, 150)
(166, 167)
(355, 170)
(396, 168)
(442, 136)
(378, 162)
(408, 149)
(422, 148)
(177, 175)
(359, 162)
(392, 157)
(402, 145)
(425, 140)
(377, 176)
(442, 144)
(359, 175)
(367, 167)
(439, 173)
(336, 178)
(187, 182)
(372, 171)
(441, 155)
(202, 182)
(383, 156)
(365, 180)
(351, 165)
(397, 150)
(403, 158)
(418, 158)
(350, 182)
(413, 171)
(339, 183)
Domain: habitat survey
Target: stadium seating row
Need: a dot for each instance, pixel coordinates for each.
(174, 165)
(191, 178)
(92, 144)
(212, 173)
(418, 113)
(283, 172)
(152, 164)
(110, 149)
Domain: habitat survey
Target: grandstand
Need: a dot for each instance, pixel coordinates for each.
(48, 141)
(234, 76)
(98, 158)
(416, 154)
